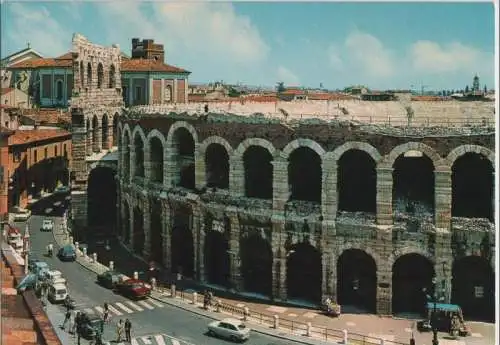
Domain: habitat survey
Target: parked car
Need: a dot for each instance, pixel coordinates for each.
(52, 276)
(232, 329)
(90, 324)
(57, 293)
(40, 269)
(133, 288)
(32, 262)
(109, 279)
(21, 214)
(47, 225)
(67, 253)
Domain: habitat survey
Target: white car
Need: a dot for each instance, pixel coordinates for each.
(47, 225)
(232, 329)
(57, 293)
(52, 276)
(21, 214)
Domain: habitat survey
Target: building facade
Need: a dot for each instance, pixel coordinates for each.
(366, 218)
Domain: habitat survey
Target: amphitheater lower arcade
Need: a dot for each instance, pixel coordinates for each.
(370, 223)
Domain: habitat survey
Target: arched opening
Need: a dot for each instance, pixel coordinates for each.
(101, 198)
(95, 135)
(473, 288)
(257, 264)
(116, 136)
(156, 233)
(357, 182)
(411, 283)
(126, 222)
(304, 265)
(100, 76)
(182, 244)
(89, 141)
(82, 74)
(138, 233)
(168, 94)
(126, 156)
(139, 156)
(112, 77)
(217, 166)
(472, 187)
(105, 131)
(59, 90)
(156, 157)
(217, 260)
(257, 163)
(357, 280)
(413, 184)
(304, 175)
(89, 75)
(183, 148)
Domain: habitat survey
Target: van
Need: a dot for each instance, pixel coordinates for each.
(52, 276)
(59, 280)
(57, 293)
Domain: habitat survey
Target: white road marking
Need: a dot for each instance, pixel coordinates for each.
(143, 303)
(114, 310)
(175, 341)
(134, 342)
(133, 305)
(123, 307)
(99, 309)
(160, 340)
(89, 311)
(146, 339)
(156, 303)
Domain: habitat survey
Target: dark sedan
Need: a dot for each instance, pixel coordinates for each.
(90, 325)
(109, 279)
(133, 288)
(67, 253)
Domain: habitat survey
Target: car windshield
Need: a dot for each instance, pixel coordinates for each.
(47, 222)
(60, 291)
(242, 326)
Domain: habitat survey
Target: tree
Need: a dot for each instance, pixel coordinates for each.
(280, 86)
(233, 92)
(467, 89)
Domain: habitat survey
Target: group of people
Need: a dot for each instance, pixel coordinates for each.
(207, 299)
(74, 320)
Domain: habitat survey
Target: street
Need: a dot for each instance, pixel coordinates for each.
(149, 317)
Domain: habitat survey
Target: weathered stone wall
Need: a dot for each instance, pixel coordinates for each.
(281, 221)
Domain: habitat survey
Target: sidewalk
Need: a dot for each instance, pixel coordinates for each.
(293, 320)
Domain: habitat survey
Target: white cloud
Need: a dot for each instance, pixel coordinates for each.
(37, 26)
(287, 77)
(335, 57)
(430, 57)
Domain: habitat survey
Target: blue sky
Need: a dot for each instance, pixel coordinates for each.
(381, 45)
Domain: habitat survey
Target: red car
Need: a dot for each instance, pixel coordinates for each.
(133, 288)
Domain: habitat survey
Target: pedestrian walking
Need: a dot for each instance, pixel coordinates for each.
(128, 327)
(72, 322)
(119, 330)
(78, 322)
(67, 318)
(105, 316)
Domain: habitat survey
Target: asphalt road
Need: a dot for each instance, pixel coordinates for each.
(82, 287)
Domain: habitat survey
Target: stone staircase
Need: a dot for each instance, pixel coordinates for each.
(18, 327)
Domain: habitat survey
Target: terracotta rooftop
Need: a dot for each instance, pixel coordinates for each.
(62, 61)
(146, 65)
(34, 135)
(47, 116)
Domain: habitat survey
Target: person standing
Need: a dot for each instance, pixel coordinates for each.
(128, 327)
(67, 318)
(106, 313)
(119, 330)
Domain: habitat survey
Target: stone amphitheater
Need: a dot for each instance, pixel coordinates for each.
(299, 201)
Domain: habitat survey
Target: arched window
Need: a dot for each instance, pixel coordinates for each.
(112, 80)
(89, 75)
(82, 74)
(100, 75)
(168, 94)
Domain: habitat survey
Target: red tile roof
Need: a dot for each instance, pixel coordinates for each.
(145, 65)
(62, 61)
(34, 135)
(48, 116)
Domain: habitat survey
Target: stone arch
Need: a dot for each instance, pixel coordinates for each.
(304, 264)
(126, 131)
(139, 150)
(100, 75)
(399, 252)
(89, 75)
(154, 133)
(413, 146)
(336, 154)
(116, 129)
(463, 149)
(302, 142)
(156, 173)
(105, 131)
(82, 74)
(96, 135)
(112, 77)
(240, 150)
(215, 140)
(138, 130)
(357, 246)
(181, 124)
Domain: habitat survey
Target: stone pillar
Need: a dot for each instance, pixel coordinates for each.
(166, 233)
(384, 195)
(329, 198)
(200, 168)
(442, 195)
(162, 97)
(234, 246)
(201, 255)
(132, 161)
(170, 168)
(146, 211)
(279, 257)
(237, 176)
(88, 141)
(196, 228)
(443, 265)
(147, 163)
(174, 92)
(79, 209)
(97, 139)
(280, 184)
(109, 142)
(329, 281)
(384, 289)
(131, 226)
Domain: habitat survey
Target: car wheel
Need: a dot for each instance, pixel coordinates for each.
(233, 338)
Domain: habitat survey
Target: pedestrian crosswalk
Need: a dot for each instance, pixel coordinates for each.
(123, 307)
(158, 339)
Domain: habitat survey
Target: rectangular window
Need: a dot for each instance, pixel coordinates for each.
(46, 153)
(35, 156)
(55, 151)
(17, 157)
(479, 291)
